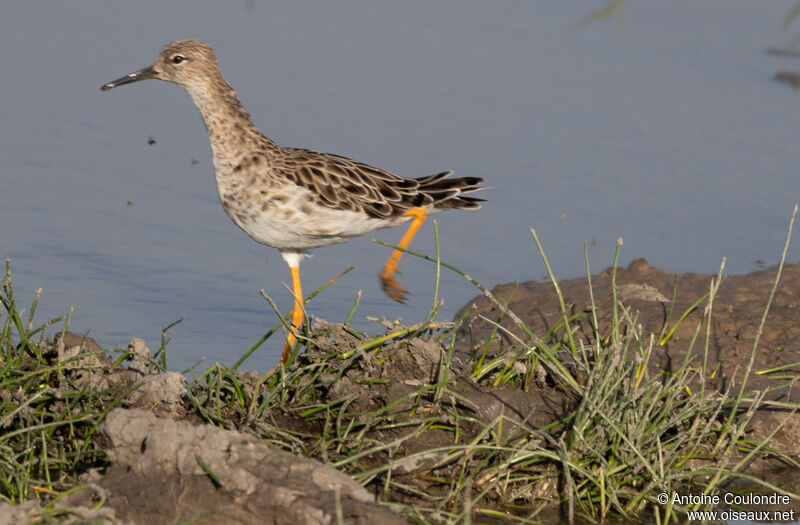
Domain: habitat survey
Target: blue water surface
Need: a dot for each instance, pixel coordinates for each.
(666, 129)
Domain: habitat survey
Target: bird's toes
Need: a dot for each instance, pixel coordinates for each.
(392, 288)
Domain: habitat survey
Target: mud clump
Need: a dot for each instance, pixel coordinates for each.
(225, 474)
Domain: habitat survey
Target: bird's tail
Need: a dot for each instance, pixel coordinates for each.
(447, 194)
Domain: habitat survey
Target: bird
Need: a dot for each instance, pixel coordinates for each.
(296, 199)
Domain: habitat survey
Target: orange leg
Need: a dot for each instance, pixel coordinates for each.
(390, 285)
(297, 313)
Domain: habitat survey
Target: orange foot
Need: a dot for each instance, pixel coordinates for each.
(388, 282)
(392, 288)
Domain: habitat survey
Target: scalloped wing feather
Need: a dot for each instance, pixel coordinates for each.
(340, 182)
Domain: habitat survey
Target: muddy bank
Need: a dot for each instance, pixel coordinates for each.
(737, 311)
(402, 418)
(647, 292)
(162, 468)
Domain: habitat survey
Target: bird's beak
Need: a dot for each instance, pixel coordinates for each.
(142, 74)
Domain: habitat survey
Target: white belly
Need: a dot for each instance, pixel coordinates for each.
(298, 224)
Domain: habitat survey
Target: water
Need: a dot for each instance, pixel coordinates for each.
(667, 131)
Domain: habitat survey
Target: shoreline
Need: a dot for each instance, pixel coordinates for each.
(408, 410)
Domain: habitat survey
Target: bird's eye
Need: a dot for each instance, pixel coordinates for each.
(177, 59)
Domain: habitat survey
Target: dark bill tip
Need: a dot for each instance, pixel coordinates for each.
(142, 74)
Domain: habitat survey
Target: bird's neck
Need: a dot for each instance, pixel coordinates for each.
(230, 128)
